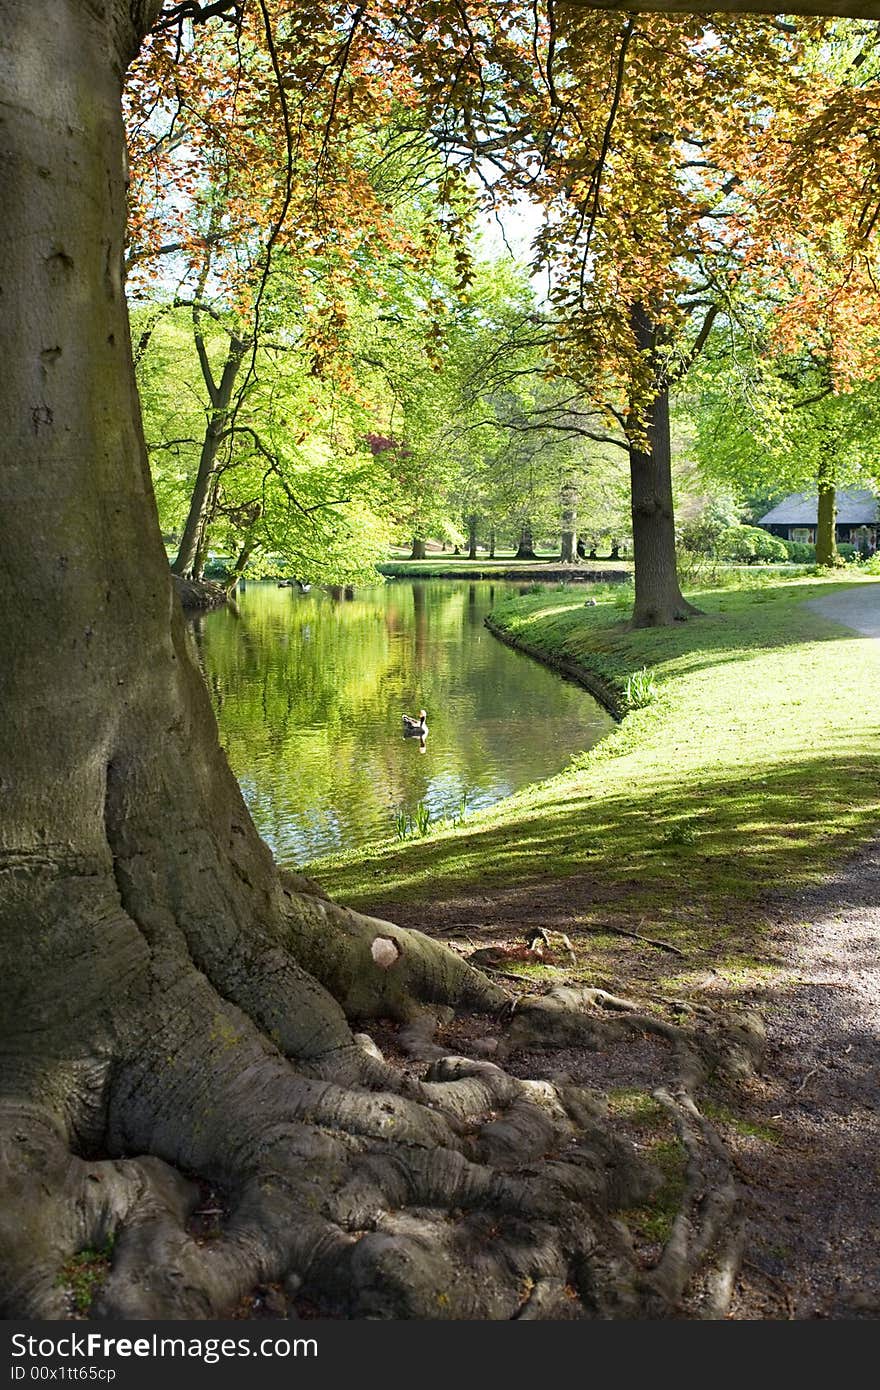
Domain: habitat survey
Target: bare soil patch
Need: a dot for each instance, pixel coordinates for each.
(805, 1133)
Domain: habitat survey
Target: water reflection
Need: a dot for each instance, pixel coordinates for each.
(310, 690)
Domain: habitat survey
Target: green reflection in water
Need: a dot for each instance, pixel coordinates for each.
(309, 691)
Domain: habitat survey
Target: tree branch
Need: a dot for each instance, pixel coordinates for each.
(599, 169)
(698, 344)
(228, 10)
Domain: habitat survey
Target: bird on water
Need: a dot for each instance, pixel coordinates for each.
(416, 726)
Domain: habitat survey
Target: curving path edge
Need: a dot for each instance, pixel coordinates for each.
(814, 1247)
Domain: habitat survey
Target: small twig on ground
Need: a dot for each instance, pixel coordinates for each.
(808, 1077)
(452, 927)
(597, 928)
(636, 936)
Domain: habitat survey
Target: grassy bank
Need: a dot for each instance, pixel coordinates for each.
(459, 567)
(751, 766)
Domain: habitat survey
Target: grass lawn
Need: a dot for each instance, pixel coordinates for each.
(752, 766)
(400, 565)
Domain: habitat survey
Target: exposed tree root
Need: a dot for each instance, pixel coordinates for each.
(706, 1217)
(463, 1192)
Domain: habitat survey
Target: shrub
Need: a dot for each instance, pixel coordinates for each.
(801, 552)
(696, 568)
(216, 569)
(681, 834)
(750, 545)
(872, 566)
(848, 552)
(701, 537)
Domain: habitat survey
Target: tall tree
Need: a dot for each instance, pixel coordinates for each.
(647, 231)
(170, 1003)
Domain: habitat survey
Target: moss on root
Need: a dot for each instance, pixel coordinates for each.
(84, 1274)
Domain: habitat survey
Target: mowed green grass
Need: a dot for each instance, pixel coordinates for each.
(754, 768)
(400, 567)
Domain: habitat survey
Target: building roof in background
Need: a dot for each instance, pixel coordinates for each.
(855, 507)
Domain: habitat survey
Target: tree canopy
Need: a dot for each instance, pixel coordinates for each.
(311, 180)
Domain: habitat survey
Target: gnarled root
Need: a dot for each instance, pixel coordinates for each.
(460, 1203)
(462, 1191)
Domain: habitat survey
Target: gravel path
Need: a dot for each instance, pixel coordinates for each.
(814, 1185)
(814, 1239)
(855, 608)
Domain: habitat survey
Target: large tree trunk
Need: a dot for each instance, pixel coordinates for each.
(168, 1002)
(826, 537)
(658, 597)
(472, 536)
(418, 549)
(526, 548)
(569, 553)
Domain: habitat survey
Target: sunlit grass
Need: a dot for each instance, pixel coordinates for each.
(399, 564)
(753, 767)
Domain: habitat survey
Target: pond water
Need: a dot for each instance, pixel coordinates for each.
(309, 690)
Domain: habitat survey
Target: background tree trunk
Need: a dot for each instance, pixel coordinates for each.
(240, 564)
(826, 533)
(526, 547)
(658, 597)
(472, 536)
(194, 538)
(418, 549)
(569, 553)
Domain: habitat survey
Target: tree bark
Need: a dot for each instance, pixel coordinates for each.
(826, 536)
(658, 597)
(526, 547)
(418, 549)
(472, 536)
(492, 544)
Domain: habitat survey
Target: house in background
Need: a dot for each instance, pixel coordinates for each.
(796, 516)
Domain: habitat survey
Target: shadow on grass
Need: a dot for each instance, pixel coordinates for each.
(685, 855)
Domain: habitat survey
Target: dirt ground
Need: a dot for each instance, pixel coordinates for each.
(814, 1196)
(805, 1134)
